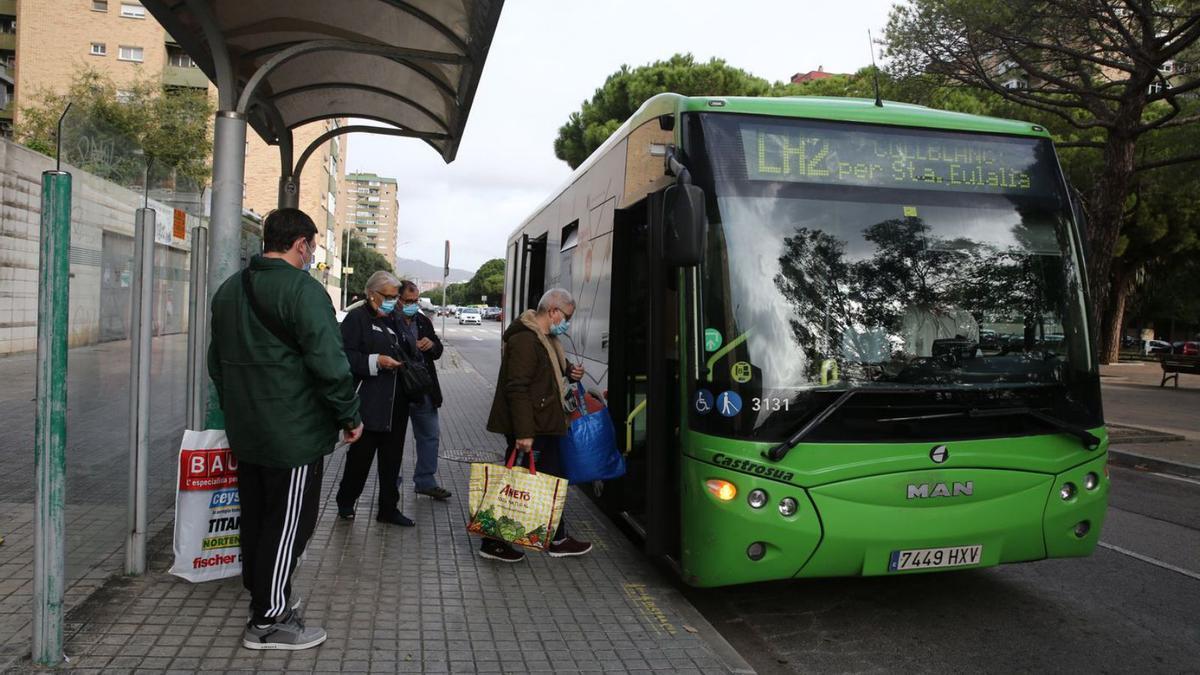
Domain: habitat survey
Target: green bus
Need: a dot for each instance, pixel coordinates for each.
(838, 337)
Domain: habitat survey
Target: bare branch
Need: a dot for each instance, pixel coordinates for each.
(1171, 161)
(1079, 144)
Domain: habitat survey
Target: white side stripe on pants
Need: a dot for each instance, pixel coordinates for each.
(287, 537)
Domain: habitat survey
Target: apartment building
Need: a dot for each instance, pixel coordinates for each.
(44, 43)
(57, 38)
(371, 208)
(321, 186)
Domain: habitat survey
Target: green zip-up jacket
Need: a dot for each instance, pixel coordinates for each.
(282, 408)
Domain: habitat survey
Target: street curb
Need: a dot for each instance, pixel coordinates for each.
(720, 647)
(1137, 461)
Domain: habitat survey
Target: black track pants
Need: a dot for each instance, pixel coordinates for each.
(279, 513)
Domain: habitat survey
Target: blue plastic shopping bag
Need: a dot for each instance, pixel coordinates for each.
(589, 450)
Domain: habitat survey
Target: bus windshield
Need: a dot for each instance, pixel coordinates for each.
(848, 256)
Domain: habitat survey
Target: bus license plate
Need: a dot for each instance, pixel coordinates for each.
(927, 558)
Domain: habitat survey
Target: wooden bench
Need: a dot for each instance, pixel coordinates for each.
(1174, 364)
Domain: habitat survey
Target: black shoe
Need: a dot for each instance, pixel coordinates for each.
(498, 550)
(345, 512)
(395, 518)
(437, 492)
(568, 547)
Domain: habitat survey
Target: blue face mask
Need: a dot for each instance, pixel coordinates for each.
(387, 306)
(308, 259)
(411, 310)
(561, 327)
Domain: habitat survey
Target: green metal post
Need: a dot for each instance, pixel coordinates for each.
(50, 427)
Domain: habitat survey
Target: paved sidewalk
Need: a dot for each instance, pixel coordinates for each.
(1152, 427)
(415, 600)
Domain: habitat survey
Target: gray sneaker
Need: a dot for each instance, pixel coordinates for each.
(288, 633)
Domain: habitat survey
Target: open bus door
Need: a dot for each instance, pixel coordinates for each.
(643, 379)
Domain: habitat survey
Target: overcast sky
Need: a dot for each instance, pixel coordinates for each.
(550, 55)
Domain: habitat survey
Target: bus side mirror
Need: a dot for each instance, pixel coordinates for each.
(685, 225)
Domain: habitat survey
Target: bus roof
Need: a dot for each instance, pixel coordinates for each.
(861, 110)
(858, 110)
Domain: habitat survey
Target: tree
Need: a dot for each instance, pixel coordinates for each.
(488, 281)
(365, 261)
(1097, 67)
(627, 89)
(112, 132)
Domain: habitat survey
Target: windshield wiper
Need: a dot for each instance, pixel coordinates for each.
(779, 451)
(1090, 440)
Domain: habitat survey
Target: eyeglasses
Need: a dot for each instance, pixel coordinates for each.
(565, 315)
(408, 301)
(387, 297)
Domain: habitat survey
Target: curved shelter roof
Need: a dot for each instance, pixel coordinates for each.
(411, 64)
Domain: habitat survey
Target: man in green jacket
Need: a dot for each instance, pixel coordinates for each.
(285, 388)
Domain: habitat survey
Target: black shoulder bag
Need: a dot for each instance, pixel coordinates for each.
(414, 376)
(265, 319)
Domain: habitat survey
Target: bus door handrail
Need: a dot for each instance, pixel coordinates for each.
(723, 351)
(637, 410)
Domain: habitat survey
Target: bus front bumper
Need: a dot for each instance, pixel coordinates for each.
(862, 526)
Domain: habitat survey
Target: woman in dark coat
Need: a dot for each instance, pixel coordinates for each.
(373, 347)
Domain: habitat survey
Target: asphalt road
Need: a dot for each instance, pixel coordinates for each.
(480, 345)
(1134, 606)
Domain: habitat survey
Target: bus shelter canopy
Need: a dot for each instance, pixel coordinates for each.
(411, 64)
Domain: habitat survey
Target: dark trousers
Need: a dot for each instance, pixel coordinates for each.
(279, 513)
(545, 451)
(389, 446)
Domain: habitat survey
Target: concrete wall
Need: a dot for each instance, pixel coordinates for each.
(100, 212)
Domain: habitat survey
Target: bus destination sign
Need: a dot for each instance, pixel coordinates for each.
(894, 159)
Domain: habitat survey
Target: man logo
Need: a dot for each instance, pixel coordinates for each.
(927, 490)
(939, 454)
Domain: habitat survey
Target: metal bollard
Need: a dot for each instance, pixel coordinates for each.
(141, 318)
(197, 374)
(50, 427)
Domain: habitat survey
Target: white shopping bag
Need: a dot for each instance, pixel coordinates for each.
(207, 509)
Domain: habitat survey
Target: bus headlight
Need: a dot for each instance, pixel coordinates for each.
(1067, 491)
(757, 498)
(1091, 481)
(788, 506)
(721, 489)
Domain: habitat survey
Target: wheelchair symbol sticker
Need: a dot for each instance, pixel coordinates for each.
(729, 403)
(712, 339)
(704, 401)
(741, 372)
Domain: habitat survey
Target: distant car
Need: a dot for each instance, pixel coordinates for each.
(470, 315)
(1186, 347)
(989, 339)
(491, 313)
(1157, 347)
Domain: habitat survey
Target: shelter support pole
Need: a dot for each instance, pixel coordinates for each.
(141, 318)
(289, 186)
(225, 226)
(346, 262)
(197, 375)
(50, 425)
